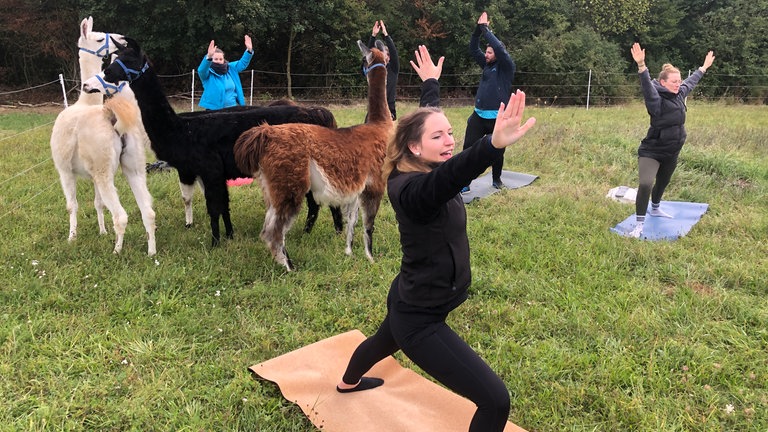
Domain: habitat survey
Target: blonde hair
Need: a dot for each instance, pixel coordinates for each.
(667, 69)
(409, 130)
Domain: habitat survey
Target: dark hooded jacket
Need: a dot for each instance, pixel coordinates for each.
(666, 135)
(432, 220)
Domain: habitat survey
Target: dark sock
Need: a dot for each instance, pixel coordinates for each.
(364, 384)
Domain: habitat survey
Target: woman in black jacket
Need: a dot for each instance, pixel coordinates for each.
(424, 181)
(657, 155)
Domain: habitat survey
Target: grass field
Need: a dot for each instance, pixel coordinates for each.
(590, 331)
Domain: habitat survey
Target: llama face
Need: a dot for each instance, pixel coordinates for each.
(97, 44)
(128, 66)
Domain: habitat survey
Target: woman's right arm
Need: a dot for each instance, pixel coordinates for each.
(650, 94)
(429, 72)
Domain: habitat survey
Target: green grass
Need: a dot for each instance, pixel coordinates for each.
(590, 331)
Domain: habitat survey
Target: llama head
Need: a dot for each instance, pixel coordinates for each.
(372, 57)
(129, 65)
(97, 44)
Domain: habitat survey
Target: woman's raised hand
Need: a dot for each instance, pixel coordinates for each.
(211, 49)
(424, 65)
(508, 129)
(638, 54)
(248, 43)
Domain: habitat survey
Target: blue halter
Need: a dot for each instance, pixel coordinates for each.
(109, 88)
(104, 48)
(132, 74)
(368, 68)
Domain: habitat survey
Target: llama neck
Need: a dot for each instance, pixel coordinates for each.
(378, 110)
(157, 114)
(90, 65)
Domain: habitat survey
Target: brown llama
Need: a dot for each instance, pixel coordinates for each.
(340, 167)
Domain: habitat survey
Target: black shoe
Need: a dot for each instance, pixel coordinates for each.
(498, 184)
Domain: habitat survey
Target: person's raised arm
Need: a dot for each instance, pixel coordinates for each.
(429, 72)
(475, 51)
(708, 60)
(638, 55)
(248, 44)
(393, 58)
(374, 32)
(509, 127)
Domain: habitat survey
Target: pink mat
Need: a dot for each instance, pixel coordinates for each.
(406, 402)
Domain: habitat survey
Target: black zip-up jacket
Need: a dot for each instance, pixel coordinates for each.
(496, 83)
(666, 135)
(432, 220)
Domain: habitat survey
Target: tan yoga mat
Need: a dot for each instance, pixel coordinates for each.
(406, 402)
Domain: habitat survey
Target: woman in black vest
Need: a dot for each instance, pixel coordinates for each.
(424, 181)
(657, 155)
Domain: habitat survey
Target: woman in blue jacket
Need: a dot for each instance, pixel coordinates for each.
(423, 183)
(221, 79)
(658, 151)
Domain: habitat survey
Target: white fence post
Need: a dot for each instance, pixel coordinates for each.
(63, 90)
(192, 106)
(251, 101)
(589, 87)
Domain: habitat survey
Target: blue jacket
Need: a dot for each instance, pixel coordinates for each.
(666, 135)
(214, 85)
(496, 83)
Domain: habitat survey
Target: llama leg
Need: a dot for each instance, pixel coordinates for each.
(350, 211)
(69, 186)
(108, 193)
(217, 201)
(370, 208)
(98, 204)
(277, 222)
(338, 219)
(273, 235)
(137, 180)
(187, 186)
(228, 230)
(313, 208)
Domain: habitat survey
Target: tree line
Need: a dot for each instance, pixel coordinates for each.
(312, 44)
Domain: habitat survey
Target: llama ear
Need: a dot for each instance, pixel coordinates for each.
(364, 48)
(131, 43)
(86, 26)
(380, 45)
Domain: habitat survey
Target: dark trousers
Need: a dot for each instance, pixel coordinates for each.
(650, 169)
(431, 344)
(478, 127)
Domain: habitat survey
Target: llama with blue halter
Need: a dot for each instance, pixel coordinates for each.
(198, 145)
(91, 139)
(322, 161)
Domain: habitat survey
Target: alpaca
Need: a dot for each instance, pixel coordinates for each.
(90, 139)
(198, 145)
(291, 160)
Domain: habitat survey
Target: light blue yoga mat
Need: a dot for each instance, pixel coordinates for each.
(684, 217)
(481, 187)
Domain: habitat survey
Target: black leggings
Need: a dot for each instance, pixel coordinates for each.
(477, 128)
(431, 344)
(649, 168)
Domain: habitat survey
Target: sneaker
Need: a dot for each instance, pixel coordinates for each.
(465, 190)
(657, 212)
(636, 232)
(498, 184)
